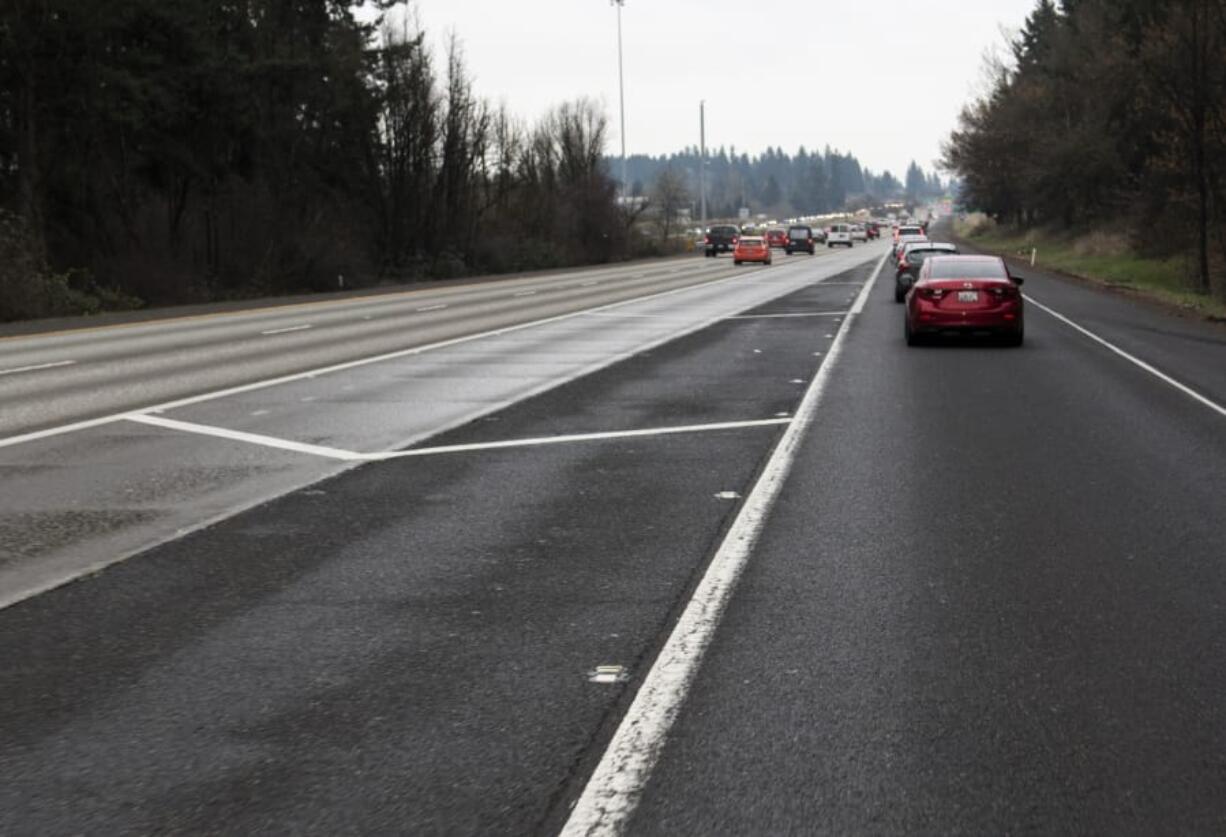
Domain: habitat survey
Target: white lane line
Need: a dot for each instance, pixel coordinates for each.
(587, 284)
(783, 316)
(438, 307)
(525, 293)
(610, 797)
(240, 436)
(86, 424)
(1133, 359)
(37, 367)
(288, 329)
(354, 456)
(577, 437)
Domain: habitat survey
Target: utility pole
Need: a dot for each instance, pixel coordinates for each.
(702, 162)
(621, 92)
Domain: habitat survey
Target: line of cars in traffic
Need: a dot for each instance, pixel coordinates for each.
(943, 290)
(797, 238)
(948, 292)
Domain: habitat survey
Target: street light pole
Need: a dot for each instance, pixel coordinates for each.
(702, 162)
(621, 92)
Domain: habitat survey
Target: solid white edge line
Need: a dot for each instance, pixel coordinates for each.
(575, 437)
(1136, 361)
(241, 436)
(38, 366)
(612, 793)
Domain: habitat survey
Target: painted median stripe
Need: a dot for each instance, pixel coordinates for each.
(240, 436)
(355, 456)
(87, 424)
(612, 793)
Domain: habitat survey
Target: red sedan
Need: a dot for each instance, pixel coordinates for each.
(777, 238)
(752, 249)
(967, 295)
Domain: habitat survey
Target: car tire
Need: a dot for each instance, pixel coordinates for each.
(736, 261)
(1015, 339)
(910, 336)
(900, 293)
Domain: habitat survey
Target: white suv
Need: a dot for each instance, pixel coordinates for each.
(839, 234)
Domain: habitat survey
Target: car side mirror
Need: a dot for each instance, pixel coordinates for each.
(1017, 280)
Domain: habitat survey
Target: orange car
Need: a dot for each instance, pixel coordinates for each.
(752, 249)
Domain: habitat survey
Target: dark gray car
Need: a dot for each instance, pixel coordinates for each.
(912, 259)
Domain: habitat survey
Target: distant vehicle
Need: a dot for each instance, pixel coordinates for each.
(858, 233)
(908, 229)
(751, 248)
(912, 259)
(800, 240)
(902, 241)
(838, 234)
(721, 238)
(777, 237)
(872, 230)
(965, 295)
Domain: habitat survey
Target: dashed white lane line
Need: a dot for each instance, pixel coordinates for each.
(613, 792)
(287, 329)
(1133, 359)
(355, 456)
(425, 308)
(38, 366)
(525, 293)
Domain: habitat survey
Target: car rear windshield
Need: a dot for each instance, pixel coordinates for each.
(800, 232)
(751, 241)
(725, 231)
(910, 230)
(968, 269)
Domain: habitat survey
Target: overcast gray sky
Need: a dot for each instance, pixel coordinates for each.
(882, 80)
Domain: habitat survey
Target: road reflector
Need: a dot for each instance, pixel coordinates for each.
(608, 674)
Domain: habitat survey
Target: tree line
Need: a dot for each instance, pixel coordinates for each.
(1108, 113)
(778, 183)
(169, 151)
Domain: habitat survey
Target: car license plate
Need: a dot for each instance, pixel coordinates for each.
(968, 296)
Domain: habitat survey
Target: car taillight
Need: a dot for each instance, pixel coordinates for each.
(930, 293)
(904, 264)
(735, 240)
(706, 239)
(1004, 291)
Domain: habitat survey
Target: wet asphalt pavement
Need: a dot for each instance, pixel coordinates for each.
(988, 599)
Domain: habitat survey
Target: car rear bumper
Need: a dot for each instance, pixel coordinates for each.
(1000, 322)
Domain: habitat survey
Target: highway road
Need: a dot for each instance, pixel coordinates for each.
(705, 551)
